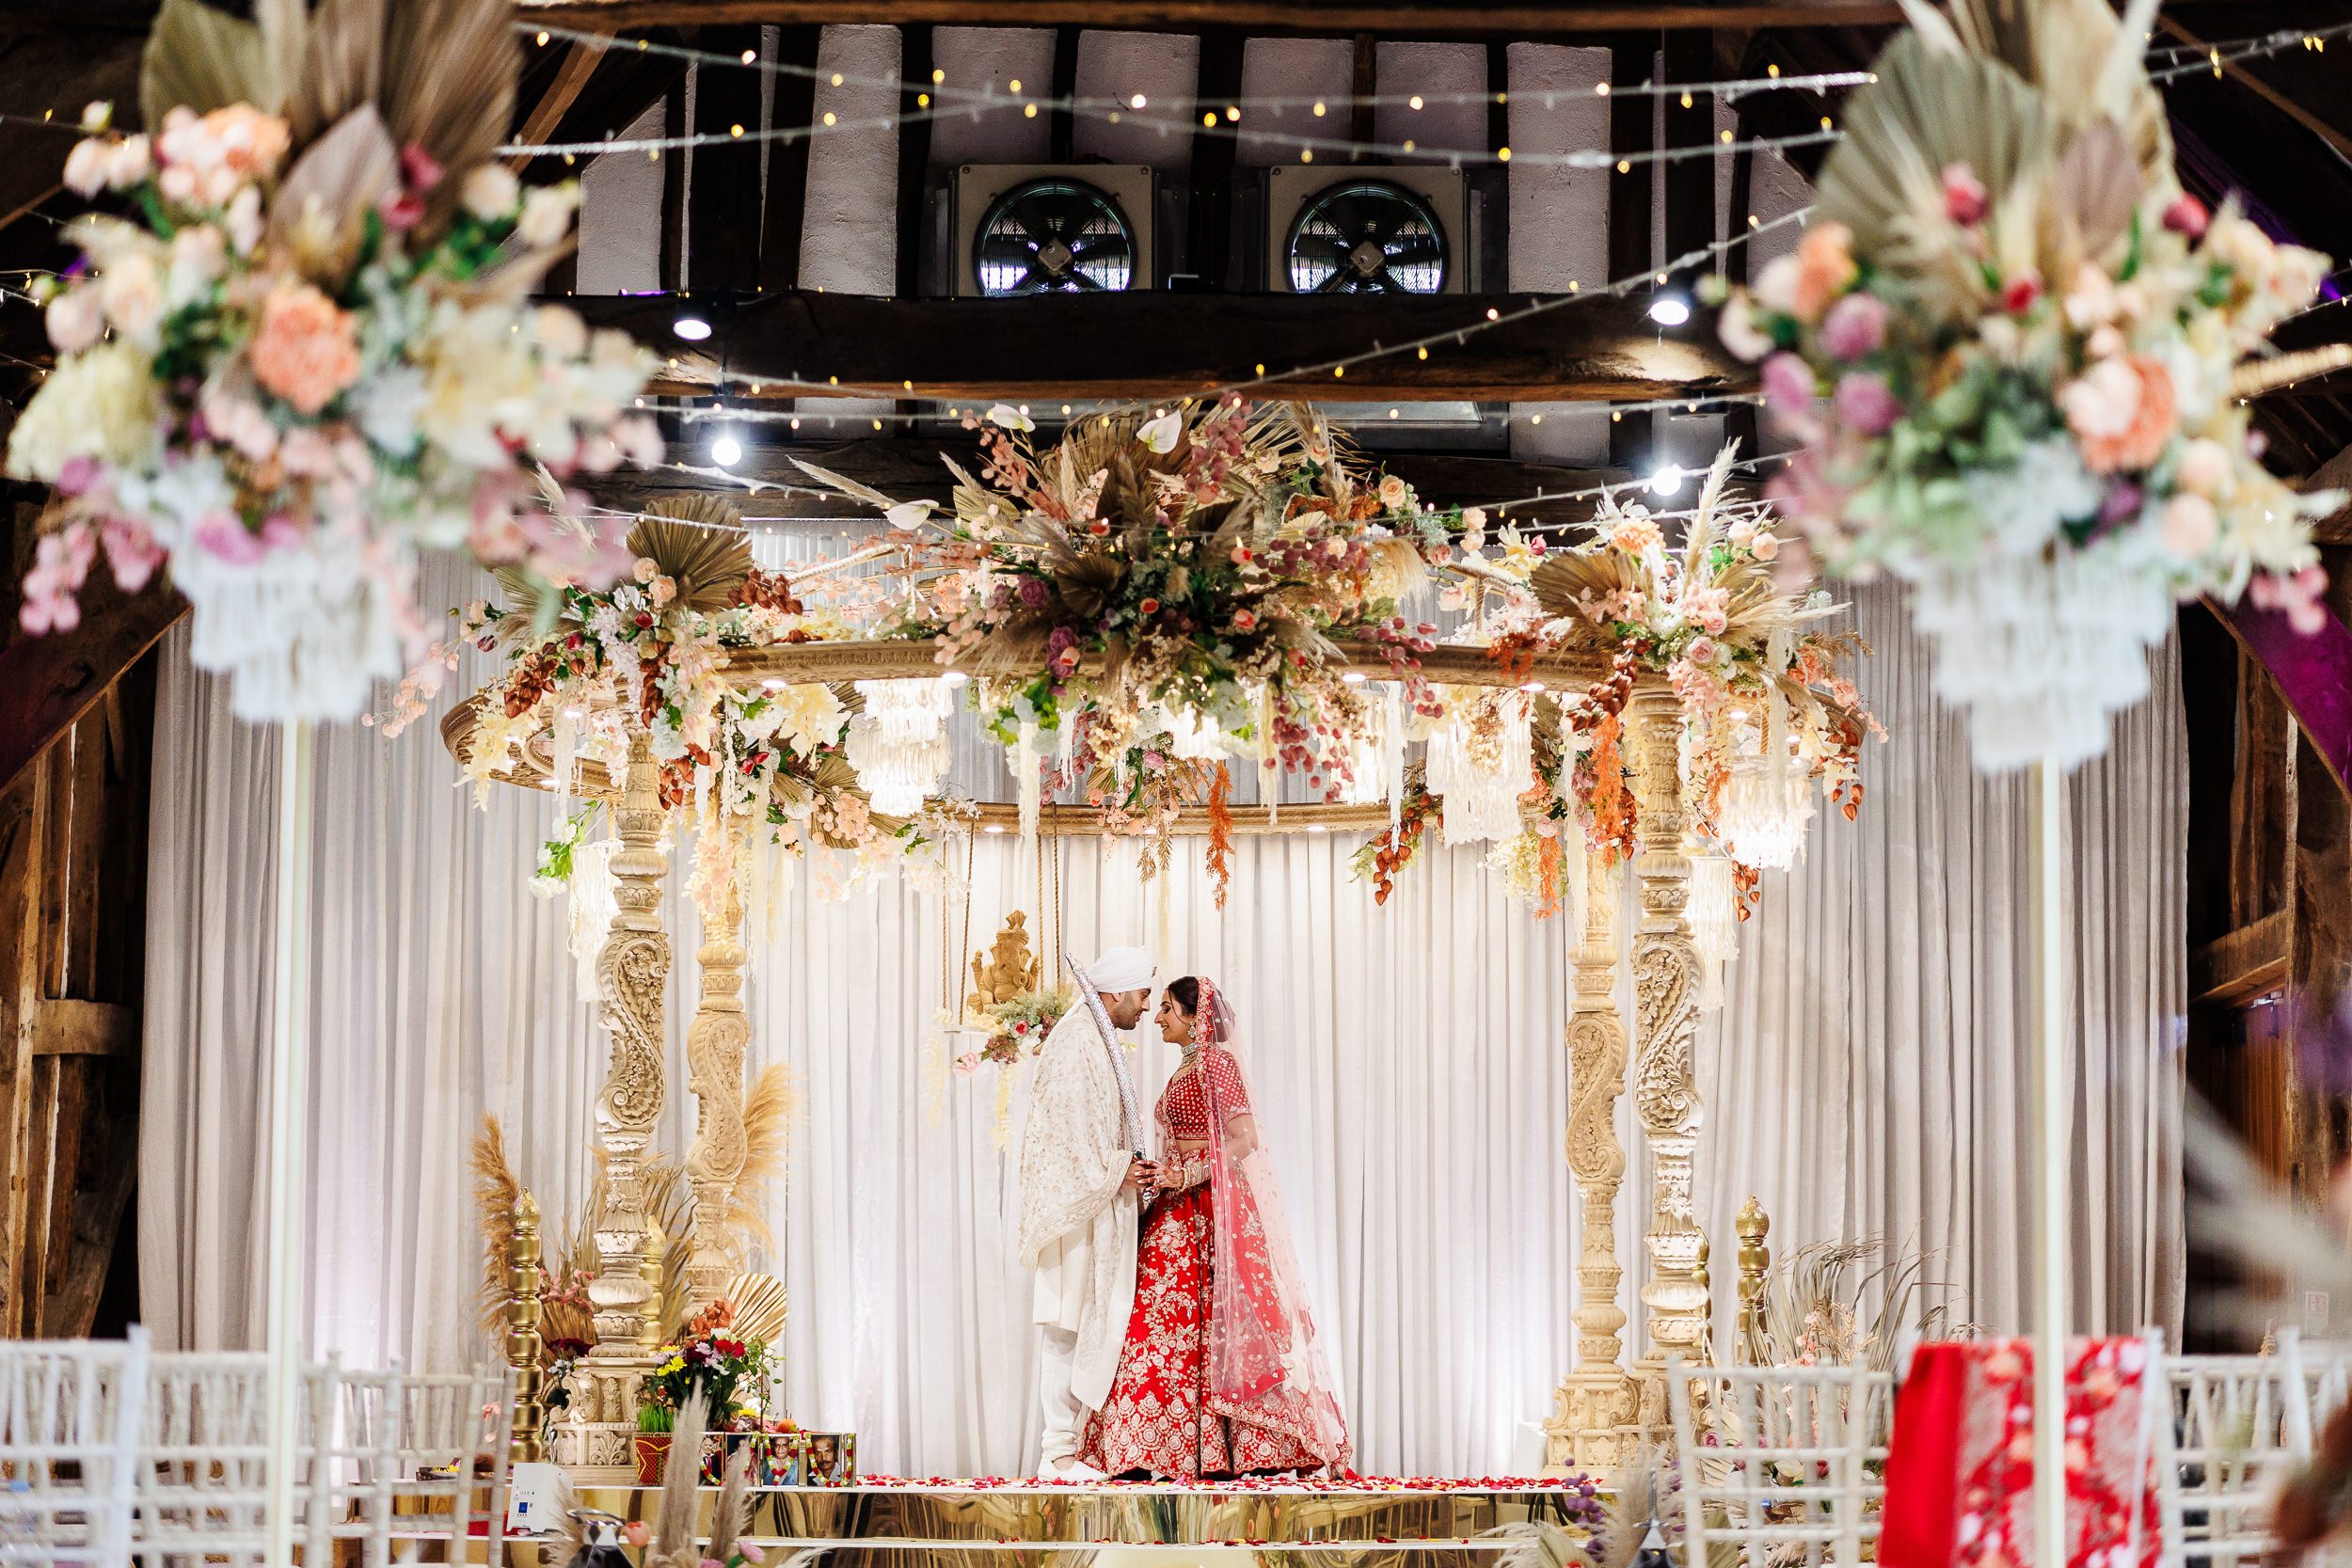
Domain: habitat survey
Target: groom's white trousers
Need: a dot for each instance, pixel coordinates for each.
(1065, 1418)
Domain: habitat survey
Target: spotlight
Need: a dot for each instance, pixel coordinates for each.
(725, 450)
(1670, 309)
(692, 329)
(1667, 480)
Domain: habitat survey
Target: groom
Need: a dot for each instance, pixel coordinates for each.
(1081, 1167)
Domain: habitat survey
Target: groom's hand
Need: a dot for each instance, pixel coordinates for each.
(1139, 1176)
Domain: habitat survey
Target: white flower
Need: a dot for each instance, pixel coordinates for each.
(132, 293)
(559, 331)
(85, 168)
(491, 191)
(1736, 325)
(76, 319)
(97, 115)
(1010, 417)
(1776, 287)
(98, 404)
(546, 215)
(245, 220)
(131, 160)
(200, 253)
(1160, 434)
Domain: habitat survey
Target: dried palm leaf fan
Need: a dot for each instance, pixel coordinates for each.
(698, 542)
(439, 74)
(758, 1299)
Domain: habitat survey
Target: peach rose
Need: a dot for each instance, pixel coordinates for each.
(308, 348)
(2205, 466)
(2121, 411)
(1825, 268)
(2188, 525)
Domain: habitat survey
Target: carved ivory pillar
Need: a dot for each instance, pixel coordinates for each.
(714, 1064)
(632, 972)
(1666, 1017)
(1595, 1404)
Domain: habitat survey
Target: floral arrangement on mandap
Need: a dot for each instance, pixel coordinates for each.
(299, 349)
(1185, 572)
(776, 769)
(1769, 714)
(708, 1362)
(2010, 347)
(1022, 1021)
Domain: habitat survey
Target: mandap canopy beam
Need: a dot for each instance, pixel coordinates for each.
(1397, 18)
(1152, 343)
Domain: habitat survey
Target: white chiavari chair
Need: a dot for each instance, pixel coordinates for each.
(2327, 1373)
(70, 1416)
(2229, 1428)
(391, 1461)
(1794, 1468)
(204, 1458)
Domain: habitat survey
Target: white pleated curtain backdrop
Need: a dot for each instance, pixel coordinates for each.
(1865, 1077)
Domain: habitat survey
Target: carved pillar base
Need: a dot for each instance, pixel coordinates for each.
(594, 1439)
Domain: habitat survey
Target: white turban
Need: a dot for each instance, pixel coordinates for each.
(1121, 969)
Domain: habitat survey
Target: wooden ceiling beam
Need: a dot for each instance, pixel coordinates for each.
(1147, 344)
(1413, 19)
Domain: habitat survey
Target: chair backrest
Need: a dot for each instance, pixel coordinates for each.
(2229, 1428)
(69, 1419)
(1794, 1460)
(2327, 1373)
(204, 1458)
(390, 1457)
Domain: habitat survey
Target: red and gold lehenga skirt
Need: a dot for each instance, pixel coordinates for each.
(1161, 1417)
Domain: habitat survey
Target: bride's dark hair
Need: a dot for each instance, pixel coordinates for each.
(1186, 992)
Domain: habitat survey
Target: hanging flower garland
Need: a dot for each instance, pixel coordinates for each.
(2010, 348)
(587, 669)
(305, 353)
(1769, 715)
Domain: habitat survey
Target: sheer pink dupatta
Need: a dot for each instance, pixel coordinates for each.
(1263, 1358)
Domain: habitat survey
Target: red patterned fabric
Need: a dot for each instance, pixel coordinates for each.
(1959, 1469)
(1162, 1418)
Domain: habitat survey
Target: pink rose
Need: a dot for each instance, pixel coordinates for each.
(2188, 525)
(636, 1533)
(1701, 653)
(1964, 195)
(1787, 382)
(2021, 293)
(1865, 404)
(1764, 547)
(306, 349)
(2204, 464)
(224, 537)
(2298, 596)
(1856, 325)
(132, 550)
(2186, 216)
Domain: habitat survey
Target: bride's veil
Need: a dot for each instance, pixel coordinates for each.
(1265, 1353)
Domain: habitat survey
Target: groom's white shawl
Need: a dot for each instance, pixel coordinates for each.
(1077, 1224)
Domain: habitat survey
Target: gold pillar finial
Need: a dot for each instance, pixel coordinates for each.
(524, 1348)
(1756, 1258)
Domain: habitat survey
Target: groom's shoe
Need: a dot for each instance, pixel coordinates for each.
(1068, 1469)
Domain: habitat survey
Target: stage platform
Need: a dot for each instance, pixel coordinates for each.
(1013, 1524)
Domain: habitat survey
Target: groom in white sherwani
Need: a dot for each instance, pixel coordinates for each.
(1082, 1168)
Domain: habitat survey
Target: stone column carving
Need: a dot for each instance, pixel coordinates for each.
(715, 1043)
(1666, 1020)
(1593, 1408)
(633, 973)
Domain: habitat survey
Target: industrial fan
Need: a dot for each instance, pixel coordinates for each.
(1366, 236)
(1053, 235)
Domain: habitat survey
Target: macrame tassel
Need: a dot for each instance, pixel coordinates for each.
(565, 736)
(1026, 783)
(899, 745)
(1393, 760)
(1714, 925)
(590, 912)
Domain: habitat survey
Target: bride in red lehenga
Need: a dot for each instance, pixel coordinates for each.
(1220, 1374)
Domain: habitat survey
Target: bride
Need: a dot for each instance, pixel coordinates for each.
(1219, 1375)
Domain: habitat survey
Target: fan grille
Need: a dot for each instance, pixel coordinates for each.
(1366, 236)
(1054, 236)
